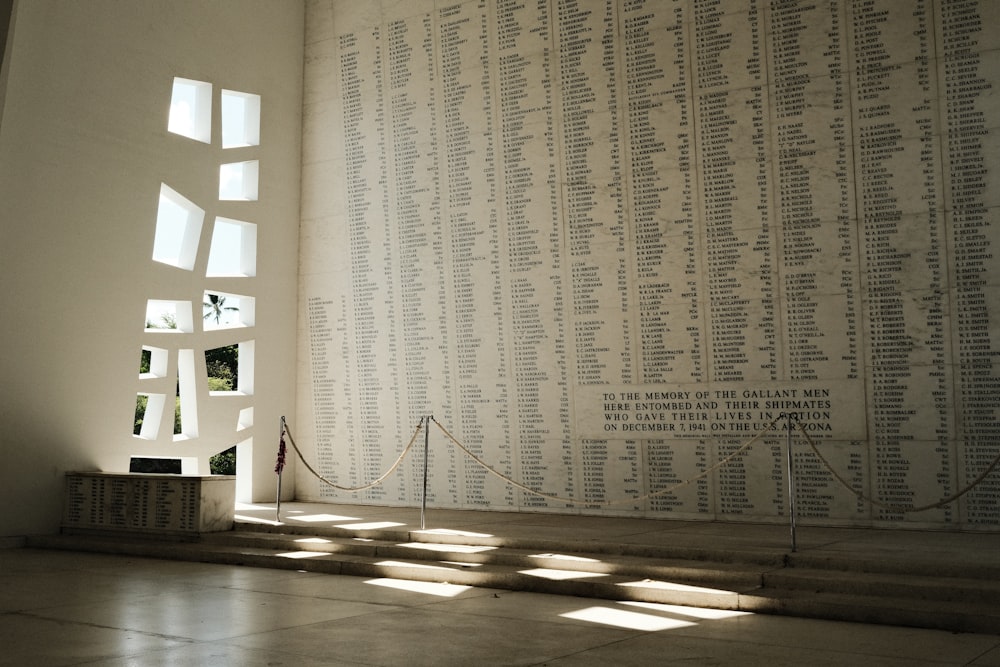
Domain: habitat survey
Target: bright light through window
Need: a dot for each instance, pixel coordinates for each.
(240, 119)
(178, 229)
(169, 316)
(227, 311)
(238, 181)
(234, 249)
(191, 110)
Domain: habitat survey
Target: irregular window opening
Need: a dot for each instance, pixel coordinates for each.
(155, 464)
(227, 311)
(222, 366)
(191, 109)
(231, 366)
(186, 406)
(223, 463)
(240, 119)
(178, 229)
(234, 249)
(148, 415)
(152, 363)
(164, 465)
(238, 181)
(169, 316)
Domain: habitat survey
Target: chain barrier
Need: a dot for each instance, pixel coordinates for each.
(369, 485)
(899, 509)
(424, 421)
(573, 501)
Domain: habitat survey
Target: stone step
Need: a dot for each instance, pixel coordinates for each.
(356, 563)
(596, 548)
(908, 612)
(915, 564)
(574, 568)
(886, 585)
(730, 576)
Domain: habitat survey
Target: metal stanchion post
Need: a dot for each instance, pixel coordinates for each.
(277, 501)
(423, 500)
(791, 480)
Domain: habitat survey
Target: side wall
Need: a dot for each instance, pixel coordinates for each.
(84, 149)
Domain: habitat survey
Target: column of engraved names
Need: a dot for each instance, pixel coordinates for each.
(738, 248)
(661, 192)
(140, 503)
(116, 515)
(593, 209)
(78, 493)
(969, 56)
(593, 191)
(534, 237)
(166, 504)
(189, 499)
(813, 171)
(97, 497)
(470, 211)
(813, 176)
(323, 352)
(666, 244)
(412, 93)
(899, 216)
(361, 100)
(735, 201)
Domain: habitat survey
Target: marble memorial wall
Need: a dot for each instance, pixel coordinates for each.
(606, 243)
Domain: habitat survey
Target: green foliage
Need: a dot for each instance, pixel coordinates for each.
(140, 413)
(222, 363)
(177, 416)
(219, 384)
(167, 321)
(223, 463)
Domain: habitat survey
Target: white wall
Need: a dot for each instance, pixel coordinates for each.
(83, 151)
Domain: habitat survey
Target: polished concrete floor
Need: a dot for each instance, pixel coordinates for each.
(67, 608)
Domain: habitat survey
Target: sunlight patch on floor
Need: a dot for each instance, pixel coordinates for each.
(313, 518)
(375, 525)
(578, 559)
(458, 548)
(426, 587)
(448, 531)
(302, 554)
(421, 566)
(670, 586)
(693, 612)
(630, 620)
(546, 573)
(455, 562)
